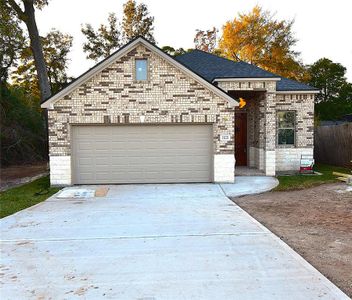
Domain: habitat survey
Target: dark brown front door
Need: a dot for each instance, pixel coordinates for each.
(241, 139)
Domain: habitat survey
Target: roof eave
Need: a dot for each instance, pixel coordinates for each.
(298, 92)
(219, 79)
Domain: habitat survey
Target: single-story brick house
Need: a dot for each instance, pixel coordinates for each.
(142, 116)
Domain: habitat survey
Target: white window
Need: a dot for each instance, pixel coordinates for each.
(286, 127)
(141, 69)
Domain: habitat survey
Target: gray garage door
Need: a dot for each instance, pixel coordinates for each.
(142, 154)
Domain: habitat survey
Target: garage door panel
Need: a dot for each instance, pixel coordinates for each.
(142, 154)
(102, 175)
(85, 146)
(86, 176)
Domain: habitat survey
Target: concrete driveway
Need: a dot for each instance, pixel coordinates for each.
(150, 242)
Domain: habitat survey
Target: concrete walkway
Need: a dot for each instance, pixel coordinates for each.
(248, 185)
(150, 242)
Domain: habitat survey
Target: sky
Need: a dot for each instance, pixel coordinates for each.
(323, 28)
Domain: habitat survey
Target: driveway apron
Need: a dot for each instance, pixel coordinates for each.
(181, 241)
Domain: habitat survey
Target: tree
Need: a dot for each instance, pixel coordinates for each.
(27, 15)
(137, 21)
(259, 39)
(205, 40)
(56, 47)
(329, 77)
(104, 41)
(337, 108)
(174, 52)
(12, 41)
(335, 97)
(23, 136)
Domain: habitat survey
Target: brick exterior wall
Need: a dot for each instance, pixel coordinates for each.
(288, 157)
(114, 97)
(263, 151)
(303, 105)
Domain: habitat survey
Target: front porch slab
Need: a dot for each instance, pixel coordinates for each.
(248, 171)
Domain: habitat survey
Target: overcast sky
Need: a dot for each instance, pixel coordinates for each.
(323, 28)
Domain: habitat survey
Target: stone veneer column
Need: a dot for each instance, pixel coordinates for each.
(224, 168)
(270, 134)
(60, 170)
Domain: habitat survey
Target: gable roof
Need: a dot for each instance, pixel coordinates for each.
(121, 52)
(213, 67)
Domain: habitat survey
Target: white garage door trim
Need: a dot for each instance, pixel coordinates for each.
(157, 150)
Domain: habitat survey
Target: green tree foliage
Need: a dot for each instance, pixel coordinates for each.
(12, 40)
(258, 38)
(205, 40)
(56, 47)
(104, 41)
(329, 77)
(335, 97)
(137, 21)
(22, 135)
(25, 11)
(174, 52)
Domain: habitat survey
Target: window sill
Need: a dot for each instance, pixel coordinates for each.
(141, 81)
(285, 146)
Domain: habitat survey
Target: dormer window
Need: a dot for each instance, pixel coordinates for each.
(141, 69)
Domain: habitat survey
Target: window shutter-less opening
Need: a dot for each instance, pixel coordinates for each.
(141, 70)
(286, 127)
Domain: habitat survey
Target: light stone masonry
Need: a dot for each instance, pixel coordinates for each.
(224, 168)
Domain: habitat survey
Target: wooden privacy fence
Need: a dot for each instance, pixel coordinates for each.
(333, 145)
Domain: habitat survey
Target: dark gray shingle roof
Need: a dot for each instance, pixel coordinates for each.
(211, 66)
(286, 84)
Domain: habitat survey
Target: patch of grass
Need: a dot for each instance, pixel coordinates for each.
(298, 182)
(24, 196)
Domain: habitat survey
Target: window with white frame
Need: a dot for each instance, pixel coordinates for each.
(141, 70)
(286, 121)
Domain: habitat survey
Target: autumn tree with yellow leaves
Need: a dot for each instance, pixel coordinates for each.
(258, 38)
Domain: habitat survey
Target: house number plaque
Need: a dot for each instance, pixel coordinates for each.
(225, 137)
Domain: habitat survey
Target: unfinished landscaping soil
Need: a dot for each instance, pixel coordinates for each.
(14, 175)
(315, 222)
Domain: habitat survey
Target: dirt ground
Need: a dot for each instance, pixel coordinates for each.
(14, 175)
(316, 222)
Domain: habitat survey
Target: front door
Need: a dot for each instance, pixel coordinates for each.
(241, 139)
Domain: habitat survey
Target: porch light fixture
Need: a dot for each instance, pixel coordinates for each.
(242, 103)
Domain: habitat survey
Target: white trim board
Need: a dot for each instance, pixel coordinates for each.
(124, 50)
(298, 92)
